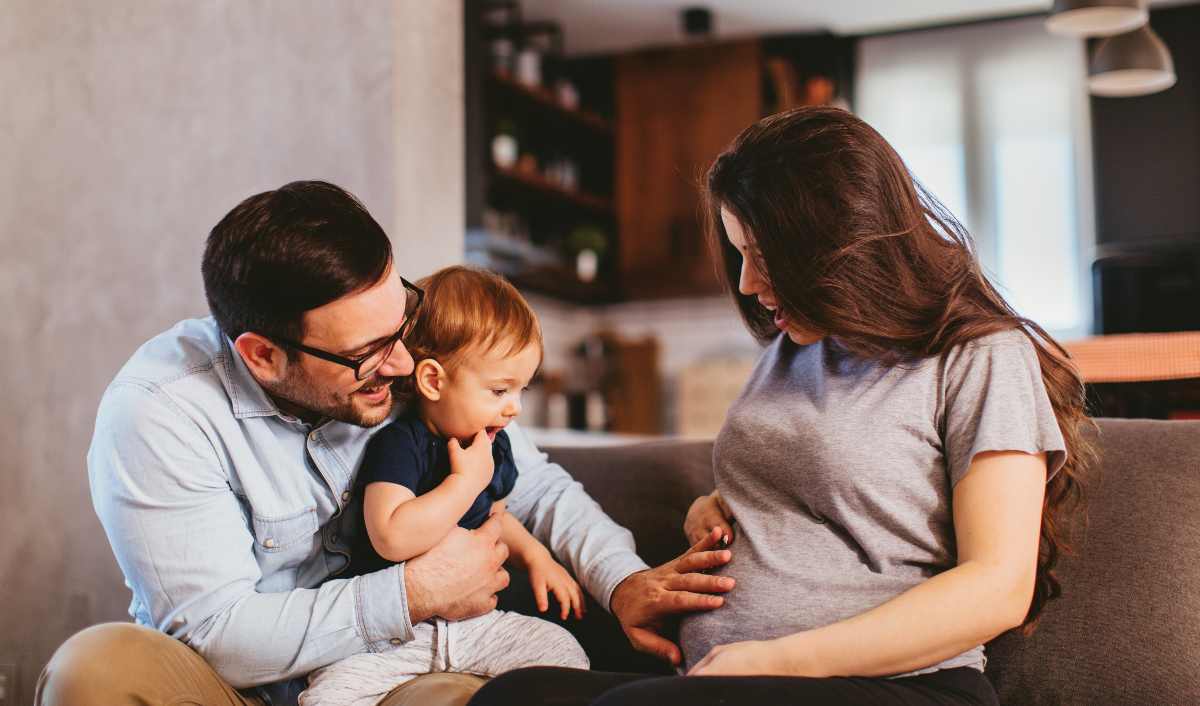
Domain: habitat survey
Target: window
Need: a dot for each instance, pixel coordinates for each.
(993, 120)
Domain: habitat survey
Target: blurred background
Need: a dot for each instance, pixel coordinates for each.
(559, 142)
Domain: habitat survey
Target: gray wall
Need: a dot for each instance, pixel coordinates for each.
(127, 129)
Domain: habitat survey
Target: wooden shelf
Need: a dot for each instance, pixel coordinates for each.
(546, 99)
(562, 283)
(532, 181)
(536, 269)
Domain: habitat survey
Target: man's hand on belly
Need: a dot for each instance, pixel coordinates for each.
(643, 601)
(459, 577)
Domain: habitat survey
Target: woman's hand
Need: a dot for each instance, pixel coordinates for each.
(548, 576)
(707, 512)
(742, 659)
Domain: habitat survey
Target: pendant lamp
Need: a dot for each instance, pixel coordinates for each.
(1095, 18)
(1131, 64)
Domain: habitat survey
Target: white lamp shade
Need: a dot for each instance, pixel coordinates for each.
(1132, 64)
(1095, 18)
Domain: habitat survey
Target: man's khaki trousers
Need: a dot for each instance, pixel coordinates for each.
(121, 664)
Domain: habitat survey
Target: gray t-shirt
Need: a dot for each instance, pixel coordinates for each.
(840, 472)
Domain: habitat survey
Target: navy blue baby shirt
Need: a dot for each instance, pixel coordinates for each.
(407, 453)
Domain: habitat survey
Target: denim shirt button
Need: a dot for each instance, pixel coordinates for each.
(346, 496)
(396, 641)
(269, 543)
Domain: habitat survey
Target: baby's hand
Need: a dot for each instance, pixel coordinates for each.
(548, 576)
(475, 462)
(706, 512)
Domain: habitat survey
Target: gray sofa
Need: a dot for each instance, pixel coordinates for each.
(1126, 631)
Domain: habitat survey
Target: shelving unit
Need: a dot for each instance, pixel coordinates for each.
(521, 215)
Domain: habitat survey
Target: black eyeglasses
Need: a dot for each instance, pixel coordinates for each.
(367, 363)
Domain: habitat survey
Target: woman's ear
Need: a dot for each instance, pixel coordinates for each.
(430, 379)
(266, 361)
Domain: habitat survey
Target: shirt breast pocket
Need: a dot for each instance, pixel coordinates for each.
(283, 543)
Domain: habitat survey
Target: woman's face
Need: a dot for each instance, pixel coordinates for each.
(751, 281)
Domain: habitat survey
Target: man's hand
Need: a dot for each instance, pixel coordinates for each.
(474, 462)
(643, 601)
(459, 577)
(706, 512)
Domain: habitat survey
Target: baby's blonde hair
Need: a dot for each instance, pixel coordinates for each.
(469, 309)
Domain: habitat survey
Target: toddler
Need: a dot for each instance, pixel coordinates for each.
(476, 344)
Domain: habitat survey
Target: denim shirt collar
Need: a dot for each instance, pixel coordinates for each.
(246, 396)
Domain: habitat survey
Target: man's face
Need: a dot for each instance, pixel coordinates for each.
(348, 327)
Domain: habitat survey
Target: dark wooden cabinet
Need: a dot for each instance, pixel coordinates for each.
(677, 109)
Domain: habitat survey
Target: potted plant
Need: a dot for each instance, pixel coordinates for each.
(587, 244)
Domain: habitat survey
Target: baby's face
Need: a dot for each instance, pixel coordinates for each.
(484, 392)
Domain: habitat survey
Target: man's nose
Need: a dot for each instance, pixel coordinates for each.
(399, 363)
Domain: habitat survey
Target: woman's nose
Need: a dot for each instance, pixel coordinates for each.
(749, 282)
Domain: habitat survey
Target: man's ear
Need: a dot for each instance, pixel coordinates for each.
(430, 379)
(266, 361)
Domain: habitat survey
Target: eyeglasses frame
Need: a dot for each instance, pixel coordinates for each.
(356, 362)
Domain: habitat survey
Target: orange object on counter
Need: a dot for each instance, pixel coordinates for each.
(1137, 357)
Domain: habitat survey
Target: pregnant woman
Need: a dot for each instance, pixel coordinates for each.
(897, 476)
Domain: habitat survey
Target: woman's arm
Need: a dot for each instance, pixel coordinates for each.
(997, 526)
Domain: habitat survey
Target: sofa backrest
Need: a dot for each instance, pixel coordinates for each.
(1127, 629)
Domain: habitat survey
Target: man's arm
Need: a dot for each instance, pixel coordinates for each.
(565, 518)
(181, 538)
(561, 515)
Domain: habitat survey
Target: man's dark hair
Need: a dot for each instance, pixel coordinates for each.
(281, 253)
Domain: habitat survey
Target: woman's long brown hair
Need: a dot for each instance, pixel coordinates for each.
(856, 249)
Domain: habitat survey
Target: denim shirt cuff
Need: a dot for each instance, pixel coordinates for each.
(607, 575)
(381, 607)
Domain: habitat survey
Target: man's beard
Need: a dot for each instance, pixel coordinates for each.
(299, 390)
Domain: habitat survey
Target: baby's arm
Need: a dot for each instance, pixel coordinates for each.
(523, 548)
(546, 574)
(402, 525)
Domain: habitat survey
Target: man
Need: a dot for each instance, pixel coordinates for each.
(222, 469)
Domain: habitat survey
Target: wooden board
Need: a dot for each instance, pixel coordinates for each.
(677, 109)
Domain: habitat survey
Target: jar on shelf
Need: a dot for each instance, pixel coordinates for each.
(505, 149)
(501, 52)
(567, 94)
(529, 67)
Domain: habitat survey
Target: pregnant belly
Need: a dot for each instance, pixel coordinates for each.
(797, 587)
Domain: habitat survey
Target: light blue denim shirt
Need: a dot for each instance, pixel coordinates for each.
(230, 519)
